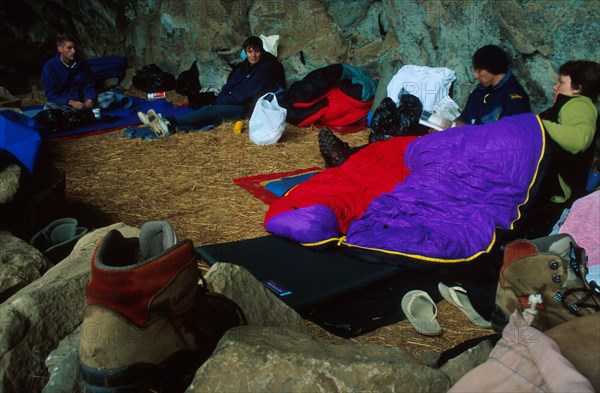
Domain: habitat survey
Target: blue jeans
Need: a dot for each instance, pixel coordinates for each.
(208, 115)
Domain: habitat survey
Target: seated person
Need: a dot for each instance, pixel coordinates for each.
(258, 74)
(67, 79)
(571, 125)
(498, 94)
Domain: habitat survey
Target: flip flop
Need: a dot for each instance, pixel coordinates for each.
(457, 296)
(421, 311)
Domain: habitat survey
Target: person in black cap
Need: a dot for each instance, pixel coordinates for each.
(498, 94)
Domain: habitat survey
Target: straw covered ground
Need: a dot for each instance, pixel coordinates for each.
(186, 179)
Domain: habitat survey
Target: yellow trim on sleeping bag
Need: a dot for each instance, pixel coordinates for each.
(342, 240)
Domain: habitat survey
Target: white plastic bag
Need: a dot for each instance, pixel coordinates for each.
(267, 121)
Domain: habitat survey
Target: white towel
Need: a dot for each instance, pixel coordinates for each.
(431, 85)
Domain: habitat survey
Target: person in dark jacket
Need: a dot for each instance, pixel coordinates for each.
(257, 75)
(67, 79)
(498, 94)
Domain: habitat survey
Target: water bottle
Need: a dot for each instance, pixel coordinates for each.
(237, 128)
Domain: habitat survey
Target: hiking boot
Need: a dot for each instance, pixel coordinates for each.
(334, 151)
(553, 267)
(148, 324)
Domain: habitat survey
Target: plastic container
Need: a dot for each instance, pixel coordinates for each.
(97, 113)
(157, 95)
(237, 128)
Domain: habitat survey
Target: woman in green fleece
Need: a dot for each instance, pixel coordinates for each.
(571, 125)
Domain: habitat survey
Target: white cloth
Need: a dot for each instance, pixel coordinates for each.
(270, 43)
(430, 85)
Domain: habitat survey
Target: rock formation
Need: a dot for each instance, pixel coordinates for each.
(539, 35)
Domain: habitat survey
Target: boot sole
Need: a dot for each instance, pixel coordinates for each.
(173, 375)
(333, 151)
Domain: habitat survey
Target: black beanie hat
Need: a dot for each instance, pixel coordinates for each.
(491, 58)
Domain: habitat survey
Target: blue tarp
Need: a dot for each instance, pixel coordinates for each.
(22, 136)
(118, 118)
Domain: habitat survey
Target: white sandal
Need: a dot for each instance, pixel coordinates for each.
(457, 296)
(421, 311)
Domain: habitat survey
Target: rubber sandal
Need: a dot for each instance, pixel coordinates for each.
(457, 296)
(421, 311)
(334, 151)
(56, 241)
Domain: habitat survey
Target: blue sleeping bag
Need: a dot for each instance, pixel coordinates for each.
(19, 136)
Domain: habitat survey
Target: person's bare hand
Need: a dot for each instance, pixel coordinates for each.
(75, 104)
(89, 103)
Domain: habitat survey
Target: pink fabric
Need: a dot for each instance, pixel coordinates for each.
(524, 360)
(583, 223)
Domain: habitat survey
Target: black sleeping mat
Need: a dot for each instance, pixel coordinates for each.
(299, 276)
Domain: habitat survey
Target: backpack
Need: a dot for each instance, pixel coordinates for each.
(151, 79)
(188, 81)
(64, 119)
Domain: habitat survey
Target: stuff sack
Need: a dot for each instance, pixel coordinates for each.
(64, 119)
(188, 82)
(151, 79)
(390, 120)
(268, 121)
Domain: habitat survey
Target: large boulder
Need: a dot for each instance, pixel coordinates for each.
(39, 316)
(263, 359)
(260, 307)
(20, 264)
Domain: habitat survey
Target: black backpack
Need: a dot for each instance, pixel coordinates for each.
(64, 119)
(188, 81)
(151, 79)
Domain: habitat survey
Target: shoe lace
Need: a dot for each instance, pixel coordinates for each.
(591, 291)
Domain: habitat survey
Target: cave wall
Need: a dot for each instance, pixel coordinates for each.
(538, 35)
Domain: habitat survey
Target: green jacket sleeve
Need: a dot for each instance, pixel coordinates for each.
(576, 125)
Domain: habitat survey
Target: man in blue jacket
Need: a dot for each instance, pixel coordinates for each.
(498, 94)
(67, 79)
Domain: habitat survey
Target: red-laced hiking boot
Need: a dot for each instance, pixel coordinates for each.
(148, 324)
(553, 267)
